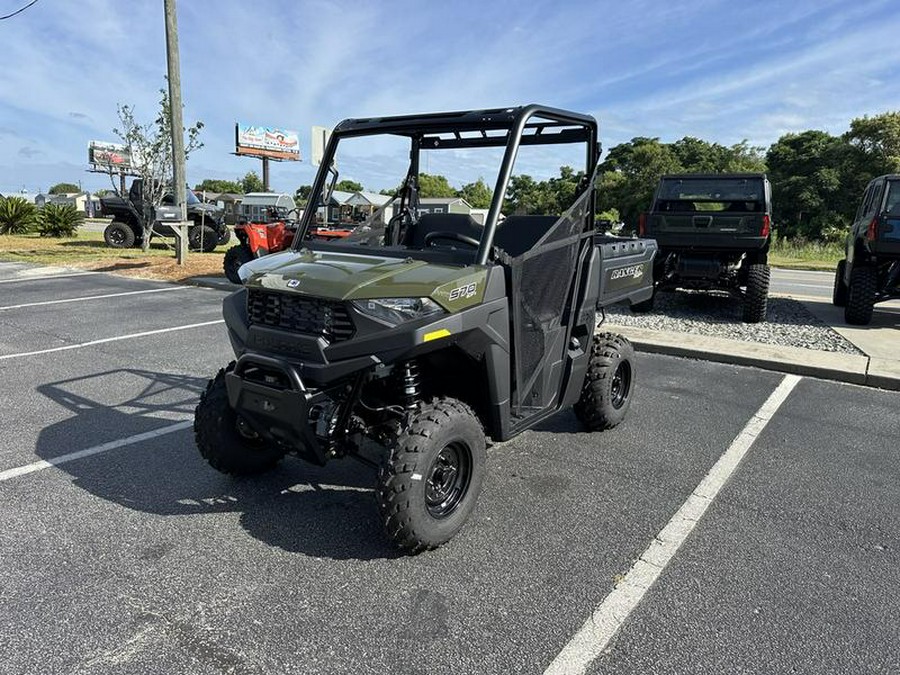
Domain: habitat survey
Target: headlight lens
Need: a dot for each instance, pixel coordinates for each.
(394, 311)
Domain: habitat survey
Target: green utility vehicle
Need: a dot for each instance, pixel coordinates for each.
(406, 343)
(713, 232)
(871, 271)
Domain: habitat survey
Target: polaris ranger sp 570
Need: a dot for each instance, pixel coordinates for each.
(422, 333)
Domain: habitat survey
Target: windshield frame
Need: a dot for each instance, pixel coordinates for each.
(526, 125)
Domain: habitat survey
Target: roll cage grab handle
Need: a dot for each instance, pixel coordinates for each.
(516, 122)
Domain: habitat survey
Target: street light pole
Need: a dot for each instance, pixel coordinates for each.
(176, 122)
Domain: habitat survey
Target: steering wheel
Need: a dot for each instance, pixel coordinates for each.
(465, 239)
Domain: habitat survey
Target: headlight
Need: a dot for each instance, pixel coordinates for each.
(394, 311)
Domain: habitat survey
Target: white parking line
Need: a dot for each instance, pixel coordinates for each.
(111, 339)
(49, 276)
(94, 297)
(593, 637)
(87, 452)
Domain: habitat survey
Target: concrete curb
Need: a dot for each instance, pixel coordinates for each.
(854, 369)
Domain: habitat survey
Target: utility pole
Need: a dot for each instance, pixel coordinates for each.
(176, 123)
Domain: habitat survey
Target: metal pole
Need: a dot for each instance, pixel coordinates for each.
(265, 162)
(176, 122)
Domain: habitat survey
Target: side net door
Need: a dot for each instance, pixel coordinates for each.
(542, 279)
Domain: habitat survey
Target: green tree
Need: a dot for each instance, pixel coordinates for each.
(873, 149)
(301, 196)
(878, 139)
(698, 156)
(808, 171)
(218, 185)
(477, 194)
(251, 182)
(630, 173)
(17, 216)
(63, 188)
(745, 158)
(150, 147)
(348, 186)
(435, 186)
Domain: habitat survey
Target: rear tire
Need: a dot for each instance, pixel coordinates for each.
(234, 258)
(839, 294)
(224, 440)
(861, 295)
(429, 482)
(202, 237)
(118, 234)
(756, 299)
(224, 236)
(608, 383)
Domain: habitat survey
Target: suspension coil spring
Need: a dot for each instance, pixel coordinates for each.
(409, 374)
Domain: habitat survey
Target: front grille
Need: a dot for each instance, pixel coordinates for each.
(299, 314)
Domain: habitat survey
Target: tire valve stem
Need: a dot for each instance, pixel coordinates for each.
(410, 377)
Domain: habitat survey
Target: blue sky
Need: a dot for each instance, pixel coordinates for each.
(715, 69)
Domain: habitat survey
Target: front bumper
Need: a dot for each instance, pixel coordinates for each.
(270, 395)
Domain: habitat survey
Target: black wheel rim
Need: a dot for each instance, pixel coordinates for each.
(117, 236)
(621, 384)
(448, 480)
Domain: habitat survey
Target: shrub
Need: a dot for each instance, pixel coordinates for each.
(17, 216)
(59, 220)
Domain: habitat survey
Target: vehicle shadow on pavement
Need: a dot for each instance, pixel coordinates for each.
(325, 512)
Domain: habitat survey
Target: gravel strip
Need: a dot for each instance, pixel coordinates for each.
(789, 322)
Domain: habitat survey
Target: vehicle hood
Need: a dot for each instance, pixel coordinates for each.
(352, 276)
(210, 209)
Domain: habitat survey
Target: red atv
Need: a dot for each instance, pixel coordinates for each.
(259, 239)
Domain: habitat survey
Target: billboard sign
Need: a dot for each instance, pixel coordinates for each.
(268, 142)
(103, 156)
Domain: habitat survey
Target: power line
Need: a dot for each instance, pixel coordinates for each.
(18, 11)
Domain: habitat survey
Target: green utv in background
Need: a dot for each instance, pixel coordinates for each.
(713, 232)
(408, 342)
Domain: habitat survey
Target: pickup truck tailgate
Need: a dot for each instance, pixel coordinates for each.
(704, 229)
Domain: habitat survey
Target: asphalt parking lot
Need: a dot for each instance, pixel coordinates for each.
(121, 551)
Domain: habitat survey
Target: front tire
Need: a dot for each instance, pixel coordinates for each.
(234, 258)
(224, 439)
(839, 294)
(224, 236)
(861, 295)
(202, 237)
(429, 483)
(756, 299)
(608, 383)
(118, 234)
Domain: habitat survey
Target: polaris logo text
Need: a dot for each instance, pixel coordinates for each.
(635, 271)
(462, 292)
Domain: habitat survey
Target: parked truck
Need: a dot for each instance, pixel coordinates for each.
(713, 232)
(207, 230)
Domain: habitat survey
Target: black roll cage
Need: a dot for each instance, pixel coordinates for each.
(525, 125)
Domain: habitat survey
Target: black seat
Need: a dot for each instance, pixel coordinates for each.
(518, 234)
(458, 223)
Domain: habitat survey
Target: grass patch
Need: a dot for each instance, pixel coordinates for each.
(805, 255)
(87, 250)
